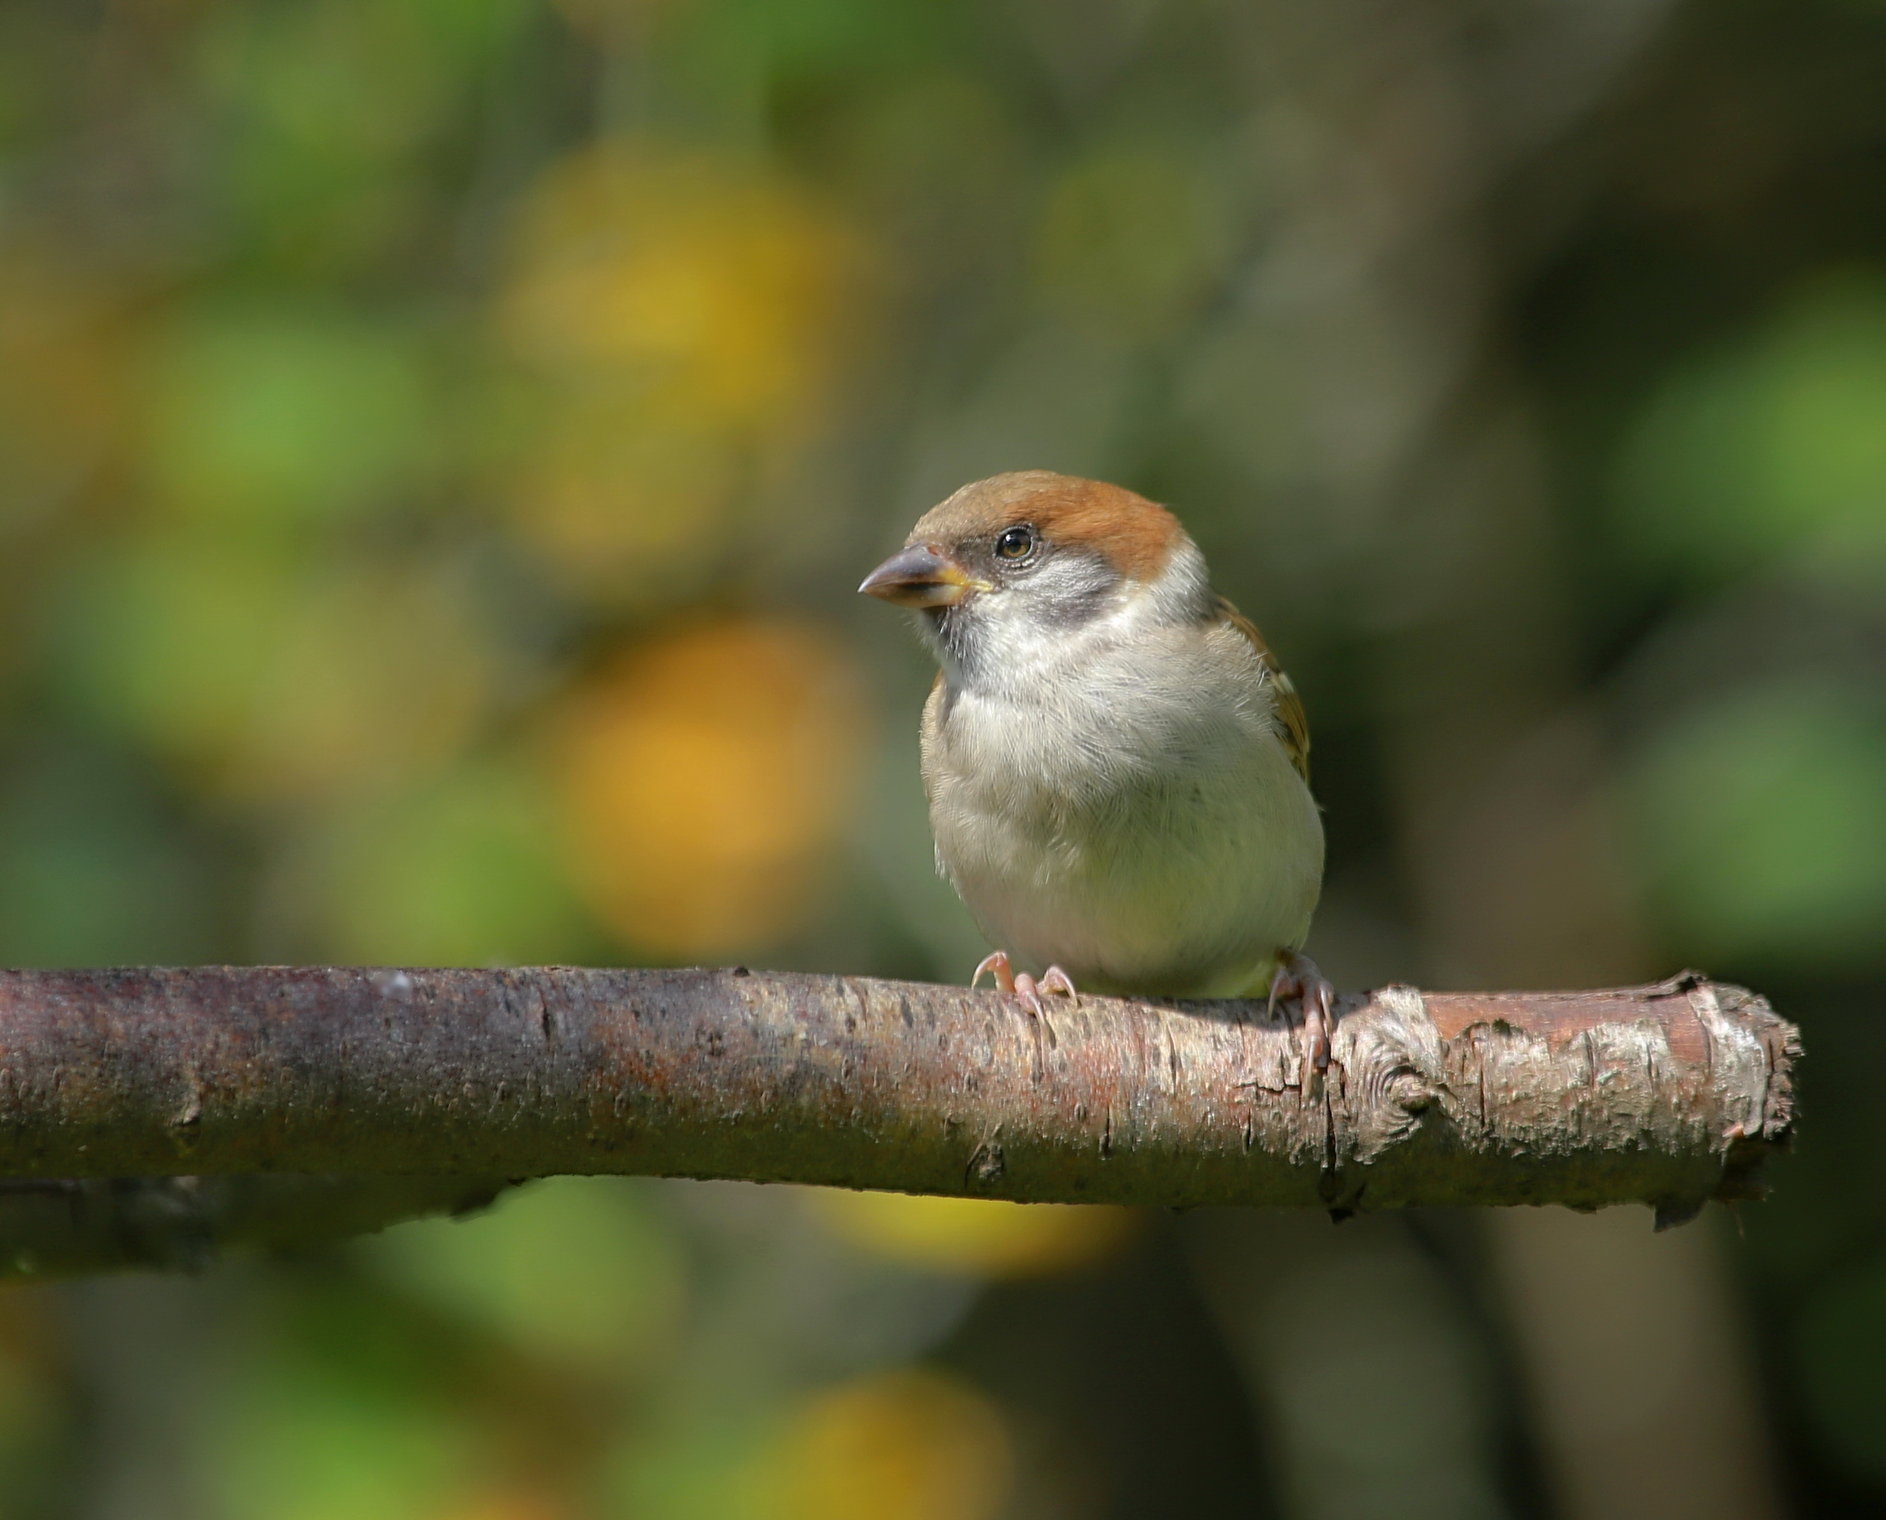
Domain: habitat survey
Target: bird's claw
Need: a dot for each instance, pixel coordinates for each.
(1299, 977)
(1019, 984)
(995, 964)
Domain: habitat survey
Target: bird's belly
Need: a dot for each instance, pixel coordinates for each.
(1188, 886)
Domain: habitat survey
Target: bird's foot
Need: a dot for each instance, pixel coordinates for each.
(1019, 984)
(1298, 977)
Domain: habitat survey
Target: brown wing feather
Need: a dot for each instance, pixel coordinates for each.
(1289, 706)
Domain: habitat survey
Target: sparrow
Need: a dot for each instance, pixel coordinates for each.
(1117, 767)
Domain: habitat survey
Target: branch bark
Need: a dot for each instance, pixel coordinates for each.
(1669, 1095)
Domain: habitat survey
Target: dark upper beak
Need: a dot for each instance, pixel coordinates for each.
(920, 576)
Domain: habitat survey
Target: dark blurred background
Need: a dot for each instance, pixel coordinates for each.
(438, 442)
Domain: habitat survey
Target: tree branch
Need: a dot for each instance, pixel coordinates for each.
(1669, 1095)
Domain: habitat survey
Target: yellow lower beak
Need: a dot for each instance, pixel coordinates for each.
(921, 576)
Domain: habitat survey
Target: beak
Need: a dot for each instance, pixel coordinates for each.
(921, 576)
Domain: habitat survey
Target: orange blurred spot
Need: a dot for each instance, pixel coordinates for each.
(704, 781)
(978, 1236)
(908, 1445)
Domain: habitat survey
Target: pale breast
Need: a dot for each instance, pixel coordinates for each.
(1144, 832)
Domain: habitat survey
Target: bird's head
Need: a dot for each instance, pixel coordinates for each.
(1019, 567)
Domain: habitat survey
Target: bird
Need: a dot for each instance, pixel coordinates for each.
(1116, 765)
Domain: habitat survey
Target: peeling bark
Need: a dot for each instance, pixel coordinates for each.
(1669, 1095)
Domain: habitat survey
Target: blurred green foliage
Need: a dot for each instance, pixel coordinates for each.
(437, 442)
(1767, 452)
(1763, 814)
(574, 1272)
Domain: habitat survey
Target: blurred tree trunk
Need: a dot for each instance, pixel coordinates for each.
(1406, 119)
(1636, 1359)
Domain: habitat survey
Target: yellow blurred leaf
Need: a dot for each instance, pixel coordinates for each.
(977, 1236)
(618, 512)
(907, 1445)
(724, 291)
(704, 779)
(271, 679)
(63, 372)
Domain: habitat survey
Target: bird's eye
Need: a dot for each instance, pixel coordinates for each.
(1017, 542)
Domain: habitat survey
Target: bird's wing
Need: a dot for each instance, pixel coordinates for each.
(1289, 706)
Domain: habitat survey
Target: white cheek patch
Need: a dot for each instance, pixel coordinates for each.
(1055, 620)
(1182, 593)
(1037, 623)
